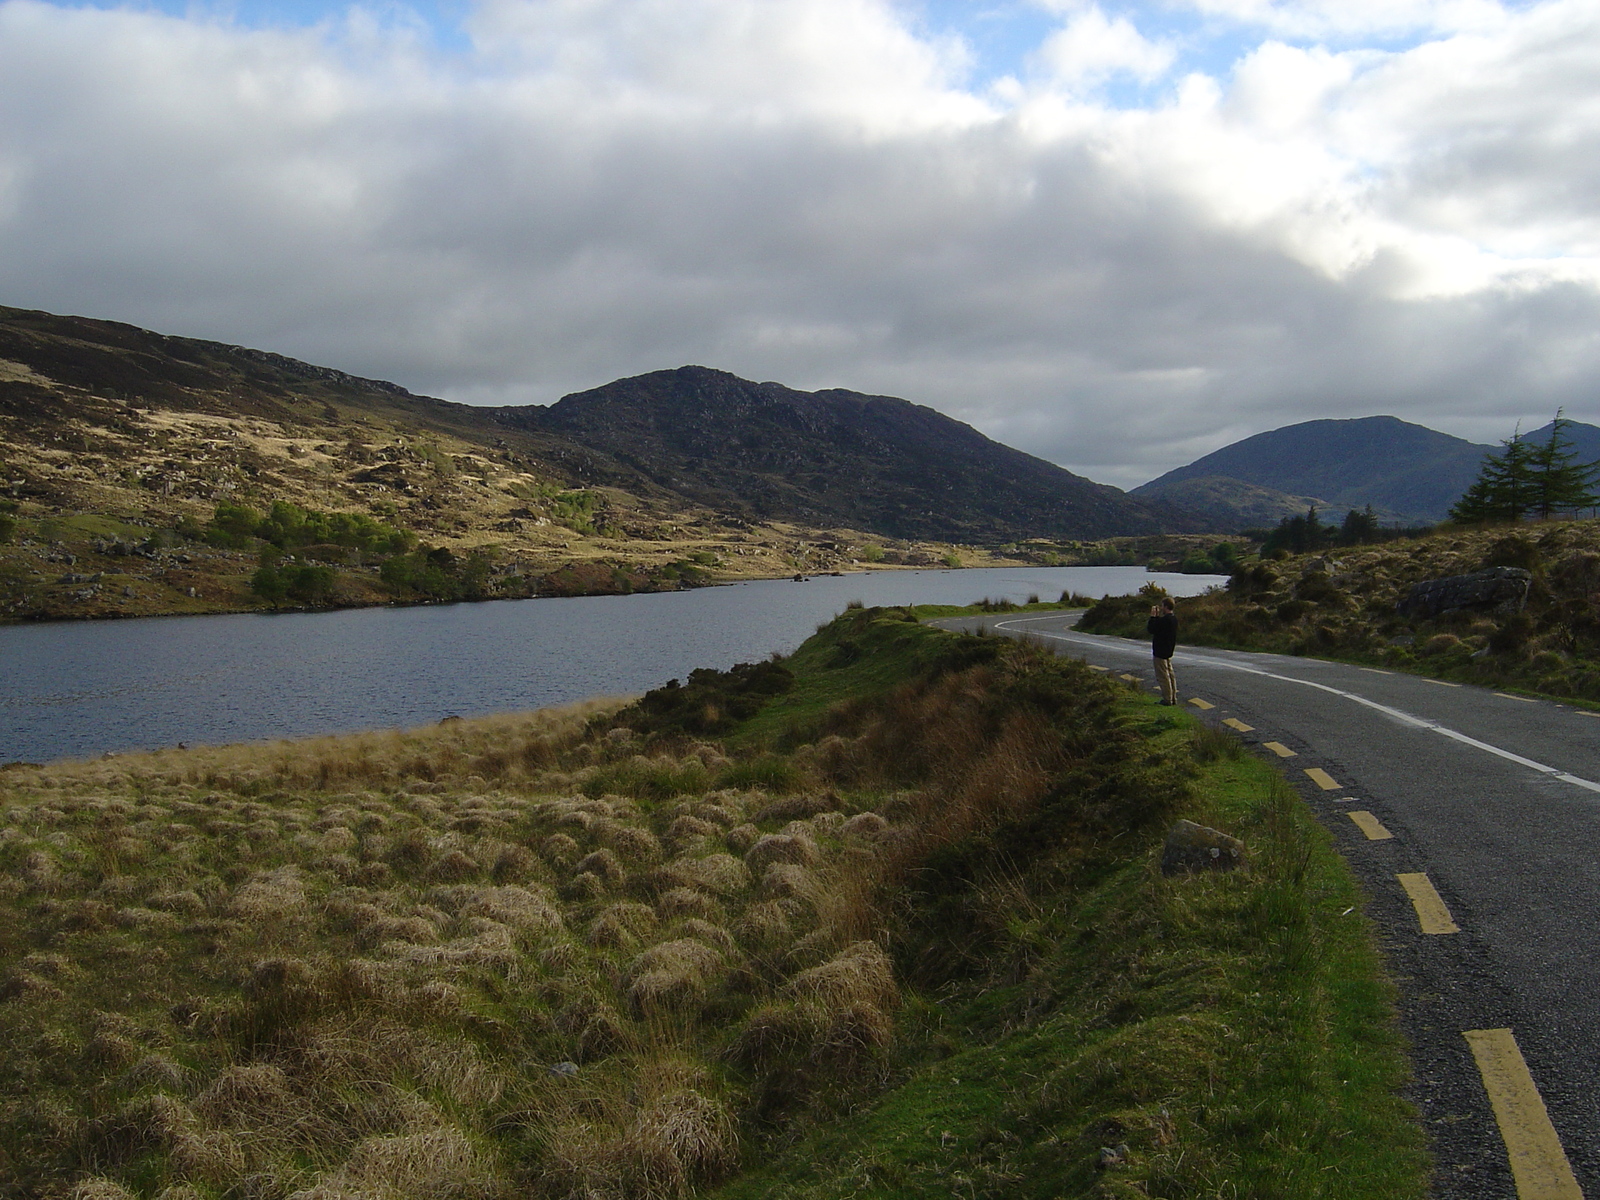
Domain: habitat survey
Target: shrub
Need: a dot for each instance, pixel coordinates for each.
(711, 701)
(1439, 643)
(1512, 635)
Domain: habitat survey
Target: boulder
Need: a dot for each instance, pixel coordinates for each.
(1192, 847)
(1501, 589)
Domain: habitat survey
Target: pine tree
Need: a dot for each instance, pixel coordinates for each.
(1359, 528)
(1504, 489)
(1560, 483)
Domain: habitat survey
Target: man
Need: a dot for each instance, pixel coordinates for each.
(1163, 630)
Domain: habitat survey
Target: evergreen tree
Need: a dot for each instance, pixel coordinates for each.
(1359, 528)
(1299, 534)
(1504, 489)
(1560, 483)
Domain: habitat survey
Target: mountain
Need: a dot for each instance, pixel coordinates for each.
(1585, 440)
(114, 438)
(835, 457)
(1408, 473)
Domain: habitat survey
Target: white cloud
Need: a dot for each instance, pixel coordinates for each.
(1356, 18)
(1092, 47)
(803, 190)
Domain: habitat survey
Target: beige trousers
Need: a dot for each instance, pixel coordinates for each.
(1167, 680)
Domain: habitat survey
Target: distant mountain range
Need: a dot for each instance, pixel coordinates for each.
(1408, 473)
(669, 444)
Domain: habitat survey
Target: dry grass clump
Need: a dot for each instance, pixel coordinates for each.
(673, 977)
(687, 902)
(438, 1164)
(671, 1130)
(621, 926)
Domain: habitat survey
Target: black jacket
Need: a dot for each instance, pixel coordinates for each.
(1163, 631)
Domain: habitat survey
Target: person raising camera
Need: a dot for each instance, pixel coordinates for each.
(1163, 630)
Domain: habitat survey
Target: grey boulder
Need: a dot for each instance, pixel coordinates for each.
(1501, 589)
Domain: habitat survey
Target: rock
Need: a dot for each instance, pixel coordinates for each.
(564, 1070)
(1192, 847)
(1111, 1156)
(1502, 589)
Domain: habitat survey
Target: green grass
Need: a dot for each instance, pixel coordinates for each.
(1233, 1032)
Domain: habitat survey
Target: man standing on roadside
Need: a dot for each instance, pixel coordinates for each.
(1163, 630)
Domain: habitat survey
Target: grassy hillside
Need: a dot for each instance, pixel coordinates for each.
(1341, 604)
(879, 919)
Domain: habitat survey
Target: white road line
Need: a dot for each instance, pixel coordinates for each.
(1399, 715)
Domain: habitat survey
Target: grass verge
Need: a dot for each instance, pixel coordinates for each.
(1211, 1035)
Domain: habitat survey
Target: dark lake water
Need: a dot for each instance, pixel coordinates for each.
(81, 688)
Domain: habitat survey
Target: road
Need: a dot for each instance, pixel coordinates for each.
(1472, 819)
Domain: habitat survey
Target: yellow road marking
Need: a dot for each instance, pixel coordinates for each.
(1130, 678)
(1375, 671)
(1583, 712)
(1442, 682)
(1279, 749)
(1321, 778)
(1509, 696)
(1538, 1164)
(1369, 825)
(1092, 667)
(1199, 703)
(1235, 723)
(1431, 910)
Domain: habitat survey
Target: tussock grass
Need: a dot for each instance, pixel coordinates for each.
(571, 953)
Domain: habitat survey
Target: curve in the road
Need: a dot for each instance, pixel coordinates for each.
(1403, 717)
(1483, 878)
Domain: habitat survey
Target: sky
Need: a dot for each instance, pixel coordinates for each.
(1117, 236)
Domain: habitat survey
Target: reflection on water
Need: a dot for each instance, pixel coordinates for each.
(77, 689)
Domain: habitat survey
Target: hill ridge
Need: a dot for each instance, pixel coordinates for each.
(1409, 471)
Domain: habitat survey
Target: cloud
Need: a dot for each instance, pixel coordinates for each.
(1092, 47)
(805, 190)
(1355, 18)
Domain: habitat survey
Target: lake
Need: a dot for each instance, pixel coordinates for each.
(76, 689)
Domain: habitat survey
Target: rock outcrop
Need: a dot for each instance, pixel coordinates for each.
(1501, 589)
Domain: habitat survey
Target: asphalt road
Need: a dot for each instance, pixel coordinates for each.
(1495, 802)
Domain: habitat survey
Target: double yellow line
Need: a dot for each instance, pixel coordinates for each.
(1539, 1164)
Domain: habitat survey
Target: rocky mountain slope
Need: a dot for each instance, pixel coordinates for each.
(1408, 473)
(837, 457)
